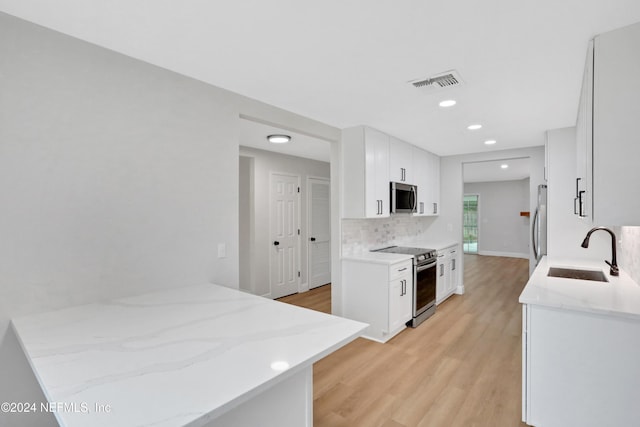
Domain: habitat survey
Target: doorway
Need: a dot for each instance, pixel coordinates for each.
(284, 256)
(495, 203)
(304, 157)
(319, 248)
(470, 223)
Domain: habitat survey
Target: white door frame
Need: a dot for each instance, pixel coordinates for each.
(308, 197)
(298, 220)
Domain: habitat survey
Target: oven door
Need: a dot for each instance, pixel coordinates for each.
(424, 287)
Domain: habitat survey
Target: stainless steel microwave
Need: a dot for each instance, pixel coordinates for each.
(404, 198)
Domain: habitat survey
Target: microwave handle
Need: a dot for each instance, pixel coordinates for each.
(414, 205)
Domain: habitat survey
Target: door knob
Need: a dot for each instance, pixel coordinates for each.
(313, 239)
(276, 243)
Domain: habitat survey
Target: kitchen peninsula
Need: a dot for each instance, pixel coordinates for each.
(196, 356)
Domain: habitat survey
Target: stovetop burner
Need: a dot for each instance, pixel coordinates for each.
(420, 254)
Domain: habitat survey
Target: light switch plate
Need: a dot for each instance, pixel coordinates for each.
(222, 250)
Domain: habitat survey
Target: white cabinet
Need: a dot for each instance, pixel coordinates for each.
(401, 161)
(607, 133)
(447, 272)
(427, 179)
(371, 160)
(433, 195)
(380, 294)
(579, 369)
(454, 264)
(365, 155)
(582, 202)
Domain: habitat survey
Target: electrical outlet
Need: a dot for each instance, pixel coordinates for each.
(222, 250)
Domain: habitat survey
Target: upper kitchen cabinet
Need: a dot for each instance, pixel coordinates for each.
(433, 200)
(365, 155)
(608, 145)
(401, 162)
(427, 179)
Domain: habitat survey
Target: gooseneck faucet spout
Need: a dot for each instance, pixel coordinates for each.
(614, 262)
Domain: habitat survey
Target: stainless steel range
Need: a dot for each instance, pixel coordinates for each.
(424, 280)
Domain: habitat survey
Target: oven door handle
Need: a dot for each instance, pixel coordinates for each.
(426, 266)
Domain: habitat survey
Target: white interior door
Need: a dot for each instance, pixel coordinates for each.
(285, 241)
(319, 232)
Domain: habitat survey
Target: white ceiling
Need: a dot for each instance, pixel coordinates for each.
(491, 170)
(348, 62)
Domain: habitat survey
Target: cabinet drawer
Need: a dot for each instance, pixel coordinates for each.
(400, 269)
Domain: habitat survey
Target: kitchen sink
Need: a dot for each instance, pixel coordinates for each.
(574, 273)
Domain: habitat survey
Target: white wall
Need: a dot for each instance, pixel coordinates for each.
(502, 231)
(264, 163)
(116, 178)
(448, 225)
(246, 222)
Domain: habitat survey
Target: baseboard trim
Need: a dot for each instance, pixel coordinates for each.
(504, 254)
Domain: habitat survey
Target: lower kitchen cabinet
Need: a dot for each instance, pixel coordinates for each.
(579, 368)
(447, 271)
(380, 294)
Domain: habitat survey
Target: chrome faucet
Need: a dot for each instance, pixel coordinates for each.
(613, 264)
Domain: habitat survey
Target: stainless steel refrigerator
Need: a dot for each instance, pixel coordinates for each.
(539, 225)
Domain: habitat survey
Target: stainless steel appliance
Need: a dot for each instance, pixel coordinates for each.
(404, 198)
(539, 225)
(424, 281)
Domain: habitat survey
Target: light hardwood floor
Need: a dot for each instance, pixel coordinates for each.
(462, 367)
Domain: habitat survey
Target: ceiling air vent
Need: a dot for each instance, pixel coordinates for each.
(439, 81)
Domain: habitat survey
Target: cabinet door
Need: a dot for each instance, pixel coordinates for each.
(406, 308)
(421, 165)
(376, 174)
(400, 302)
(584, 141)
(453, 271)
(616, 147)
(442, 277)
(396, 295)
(433, 203)
(400, 161)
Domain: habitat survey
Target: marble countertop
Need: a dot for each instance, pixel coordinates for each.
(377, 257)
(620, 296)
(172, 358)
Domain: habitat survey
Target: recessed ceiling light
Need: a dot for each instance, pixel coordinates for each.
(278, 139)
(280, 365)
(447, 103)
(474, 127)
(504, 166)
(490, 142)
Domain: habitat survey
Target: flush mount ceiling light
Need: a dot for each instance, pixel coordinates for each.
(447, 103)
(474, 127)
(280, 365)
(504, 166)
(278, 139)
(490, 142)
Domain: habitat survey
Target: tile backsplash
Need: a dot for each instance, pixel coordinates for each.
(360, 235)
(629, 238)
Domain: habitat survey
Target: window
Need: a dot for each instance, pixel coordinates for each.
(470, 225)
